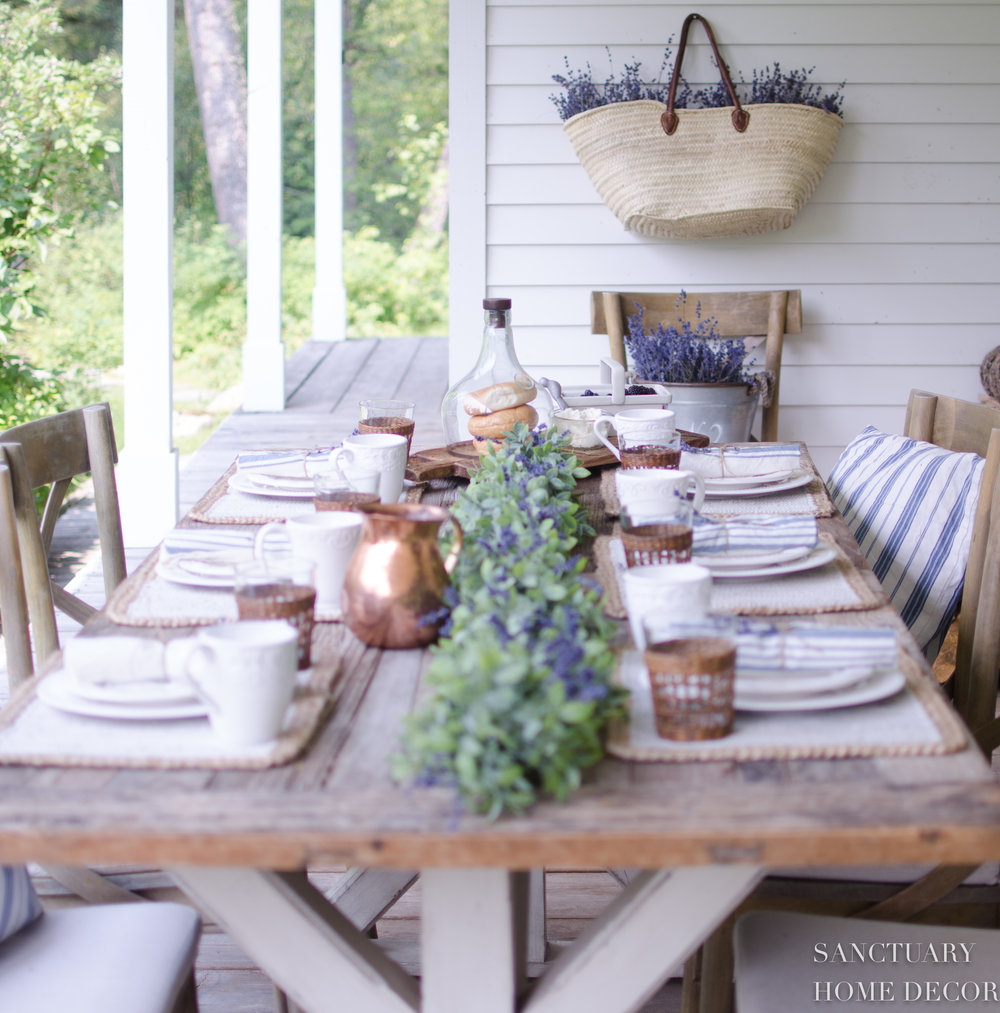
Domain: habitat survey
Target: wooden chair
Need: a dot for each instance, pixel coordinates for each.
(27, 641)
(967, 427)
(766, 315)
(971, 895)
(52, 451)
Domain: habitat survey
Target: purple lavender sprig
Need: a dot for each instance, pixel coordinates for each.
(766, 86)
(686, 352)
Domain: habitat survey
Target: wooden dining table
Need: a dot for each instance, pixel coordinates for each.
(697, 836)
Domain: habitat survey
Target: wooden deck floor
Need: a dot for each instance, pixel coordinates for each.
(324, 382)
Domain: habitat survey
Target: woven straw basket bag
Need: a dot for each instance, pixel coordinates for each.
(704, 173)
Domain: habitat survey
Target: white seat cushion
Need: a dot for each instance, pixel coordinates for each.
(790, 963)
(107, 958)
(19, 904)
(911, 506)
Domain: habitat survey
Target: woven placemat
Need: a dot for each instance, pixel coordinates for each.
(836, 587)
(146, 599)
(914, 722)
(810, 500)
(222, 505)
(33, 733)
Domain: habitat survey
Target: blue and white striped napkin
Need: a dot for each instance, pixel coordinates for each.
(283, 463)
(207, 541)
(762, 646)
(731, 462)
(749, 534)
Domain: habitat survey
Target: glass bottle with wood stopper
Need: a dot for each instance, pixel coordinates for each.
(495, 394)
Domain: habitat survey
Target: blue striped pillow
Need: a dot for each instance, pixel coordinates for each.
(911, 507)
(19, 904)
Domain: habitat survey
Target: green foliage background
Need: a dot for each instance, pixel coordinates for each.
(395, 274)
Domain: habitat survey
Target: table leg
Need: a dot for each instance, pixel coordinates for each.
(312, 951)
(655, 924)
(473, 925)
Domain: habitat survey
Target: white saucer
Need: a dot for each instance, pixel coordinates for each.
(240, 482)
(729, 482)
(203, 569)
(742, 560)
(795, 481)
(783, 683)
(135, 693)
(817, 557)
(884, 683)
(58, 690)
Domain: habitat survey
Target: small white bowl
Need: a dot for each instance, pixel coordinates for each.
(579, 423)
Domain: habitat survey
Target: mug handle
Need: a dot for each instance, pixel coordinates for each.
(261, 537)
(197, 653)
(456, 546)
(335, 454)
(597, 432)
(699, 488)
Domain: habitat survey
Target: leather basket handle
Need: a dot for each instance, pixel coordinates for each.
(669, 119)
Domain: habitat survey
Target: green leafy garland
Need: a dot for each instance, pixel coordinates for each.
(522, 680)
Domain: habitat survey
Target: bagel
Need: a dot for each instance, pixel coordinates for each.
(482, 445)
(499, 396)
(497, 424)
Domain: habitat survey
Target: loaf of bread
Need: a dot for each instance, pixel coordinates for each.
(496, 424)
(498, 397)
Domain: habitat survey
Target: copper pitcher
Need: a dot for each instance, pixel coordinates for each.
(394, 589)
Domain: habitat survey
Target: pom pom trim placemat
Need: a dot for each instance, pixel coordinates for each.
(33, 733)
(915, 722)
(836, 587)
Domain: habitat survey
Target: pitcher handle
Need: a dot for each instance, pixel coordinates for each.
(456, 547)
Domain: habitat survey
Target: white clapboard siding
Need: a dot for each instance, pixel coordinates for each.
(896, 254)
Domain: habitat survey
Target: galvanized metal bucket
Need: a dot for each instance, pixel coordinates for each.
(724, 412)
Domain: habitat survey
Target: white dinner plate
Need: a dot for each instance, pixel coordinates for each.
(795, 481)
(783, 682)
(741, 560)
(203, 569)
(724, 483)
(884, 683)
(816, 558)
(58, 690)
(242, 482)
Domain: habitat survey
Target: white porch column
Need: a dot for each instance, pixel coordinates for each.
(264, 352)
(467, 182)
(329, 308)
(148, 469)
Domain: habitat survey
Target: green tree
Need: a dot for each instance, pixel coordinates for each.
(396, 110)
(53, 147)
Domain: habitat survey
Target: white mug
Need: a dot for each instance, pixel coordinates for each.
(245, 673)
(637, 423)
(328, 539)
(677, 589)
(643, 490)
(381, 452)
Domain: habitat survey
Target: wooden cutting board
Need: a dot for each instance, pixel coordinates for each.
(461, 459)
